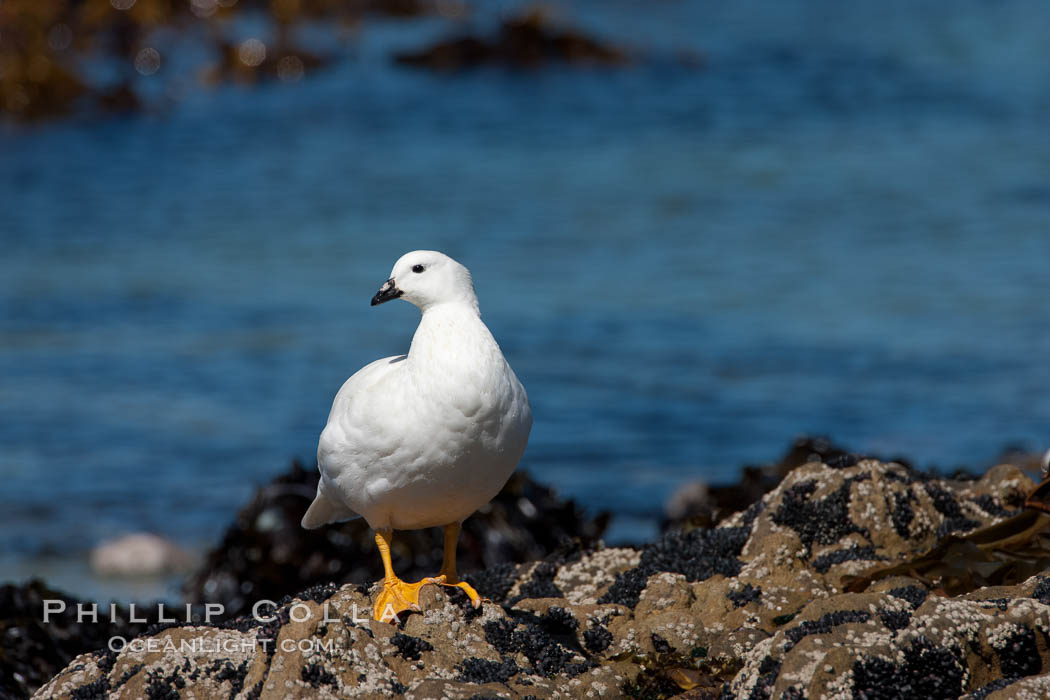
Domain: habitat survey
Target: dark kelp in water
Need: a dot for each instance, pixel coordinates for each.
(527, 41)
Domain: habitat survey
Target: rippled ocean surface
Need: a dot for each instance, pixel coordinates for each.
(839, 224)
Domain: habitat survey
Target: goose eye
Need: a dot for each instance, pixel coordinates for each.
(417, 268)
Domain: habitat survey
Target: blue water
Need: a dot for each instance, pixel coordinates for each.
(839, 224)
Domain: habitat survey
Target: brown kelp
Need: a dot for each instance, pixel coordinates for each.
(61, 56)
(1003, 554)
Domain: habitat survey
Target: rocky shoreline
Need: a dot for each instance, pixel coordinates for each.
(850, 578)
(266, 554)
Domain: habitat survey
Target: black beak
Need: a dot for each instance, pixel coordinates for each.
(387, 292)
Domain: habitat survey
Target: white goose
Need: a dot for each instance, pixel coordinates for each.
(427, 438)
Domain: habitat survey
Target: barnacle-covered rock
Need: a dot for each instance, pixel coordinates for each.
(901, 641)
(755, 607)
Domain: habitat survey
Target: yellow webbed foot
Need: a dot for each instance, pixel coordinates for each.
(443, 580)
(396, 597)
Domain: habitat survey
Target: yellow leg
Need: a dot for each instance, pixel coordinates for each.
(396, 596)
(448, 576)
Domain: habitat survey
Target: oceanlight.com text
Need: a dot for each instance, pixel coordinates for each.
(220, 646)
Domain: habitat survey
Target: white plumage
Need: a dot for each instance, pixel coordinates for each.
(427, 438)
